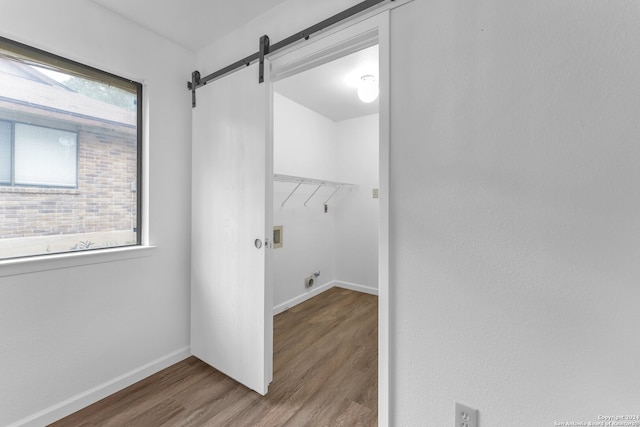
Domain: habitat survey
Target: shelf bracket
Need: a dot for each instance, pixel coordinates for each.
(313, 194)
(333, 194)
(291, 194)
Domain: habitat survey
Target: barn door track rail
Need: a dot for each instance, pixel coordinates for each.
(265, 48)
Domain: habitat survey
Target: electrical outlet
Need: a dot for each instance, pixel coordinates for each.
(376, 193)
(466, 416)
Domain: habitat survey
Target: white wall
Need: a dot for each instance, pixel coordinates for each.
(357, 213)
(305, 146)
(515, 232)
(305, 142)
(343, 243)
(67, 331)
(514, 203)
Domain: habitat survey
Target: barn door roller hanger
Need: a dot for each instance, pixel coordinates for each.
(264, 48)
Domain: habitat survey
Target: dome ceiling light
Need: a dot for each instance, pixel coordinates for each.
(368, 88)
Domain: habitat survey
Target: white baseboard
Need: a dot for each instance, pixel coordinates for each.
(356, 287)
(84, 399)
(322, 288)
(302, 298)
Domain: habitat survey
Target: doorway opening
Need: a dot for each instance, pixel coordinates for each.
(233, 210)
(326, 209)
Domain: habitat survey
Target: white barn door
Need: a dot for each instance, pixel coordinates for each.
(231, 304)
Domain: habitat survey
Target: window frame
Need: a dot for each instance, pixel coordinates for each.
(34, 56)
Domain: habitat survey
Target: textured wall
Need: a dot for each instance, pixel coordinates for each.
(304, 145)
(342, 243)
(357, 213)
(515, 199)
(74, 332)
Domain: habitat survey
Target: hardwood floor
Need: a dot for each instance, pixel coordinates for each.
(325, 374)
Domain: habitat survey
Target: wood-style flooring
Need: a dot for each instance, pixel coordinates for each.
(325, 374)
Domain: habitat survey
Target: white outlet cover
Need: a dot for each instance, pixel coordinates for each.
(466, 416)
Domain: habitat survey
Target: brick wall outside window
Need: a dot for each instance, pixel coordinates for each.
(103, 200)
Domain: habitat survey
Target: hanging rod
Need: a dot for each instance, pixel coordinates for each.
(299, 180)
(197, 81)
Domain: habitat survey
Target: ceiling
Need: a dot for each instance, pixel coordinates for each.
(193, 24)
(329, 89)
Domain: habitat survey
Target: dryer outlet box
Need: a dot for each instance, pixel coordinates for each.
(308, 282)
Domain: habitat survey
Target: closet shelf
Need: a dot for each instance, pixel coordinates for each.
(319, 183)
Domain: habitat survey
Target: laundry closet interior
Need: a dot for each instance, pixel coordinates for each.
(326, 181)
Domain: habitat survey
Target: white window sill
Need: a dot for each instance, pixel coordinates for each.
(13, 267)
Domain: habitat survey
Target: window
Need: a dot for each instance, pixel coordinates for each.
(5, 152)
(70, 155)
(40, 156)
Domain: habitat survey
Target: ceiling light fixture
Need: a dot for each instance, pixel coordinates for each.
(368, 88)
